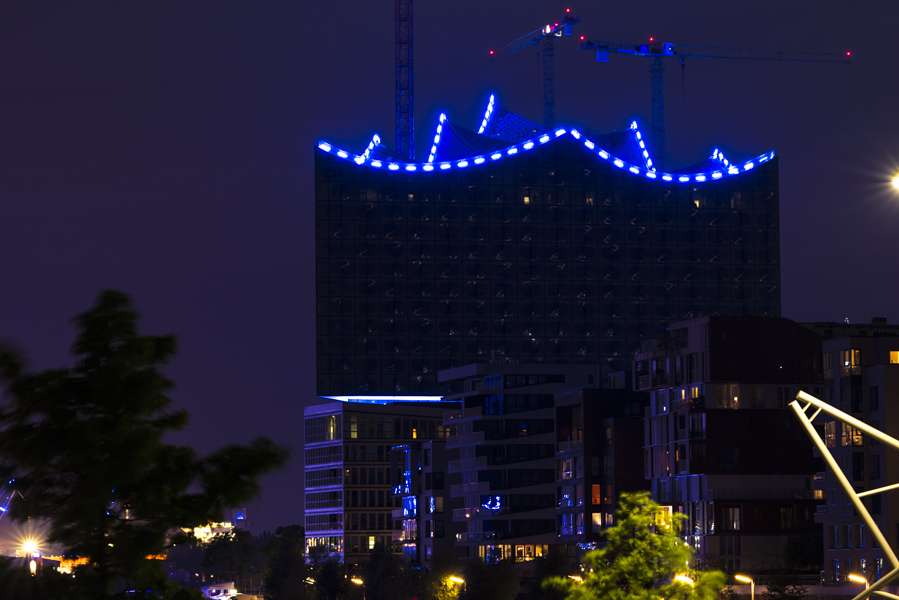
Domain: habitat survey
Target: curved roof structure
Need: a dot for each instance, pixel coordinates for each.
(503, 133)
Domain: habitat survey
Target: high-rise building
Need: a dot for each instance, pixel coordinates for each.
(505, 462)
(517, 242)
(861, 376)
(599, 455)
(348, 500)
(722, 447)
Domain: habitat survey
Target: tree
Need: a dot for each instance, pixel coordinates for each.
(781, 583)
(235, 556)
(287, 571)
(641, 556)
(387, 576)
(85, 446)
(498, 581)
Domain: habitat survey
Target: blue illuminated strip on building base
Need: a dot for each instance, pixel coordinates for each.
(384, 399)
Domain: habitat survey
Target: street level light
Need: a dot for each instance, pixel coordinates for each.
(684, 579)
(358, 581)
(576, 578)
(858, 579)
(896, 179)
(751, 583)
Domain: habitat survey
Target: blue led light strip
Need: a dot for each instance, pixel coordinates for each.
(437, 135)
(647, 171)
(647, 162)
(487, 115)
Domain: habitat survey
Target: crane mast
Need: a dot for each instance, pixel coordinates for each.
(405, 124)
(657, 52)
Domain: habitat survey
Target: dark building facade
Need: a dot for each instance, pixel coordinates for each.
(599, 455)
(722, 447)
(527, 244)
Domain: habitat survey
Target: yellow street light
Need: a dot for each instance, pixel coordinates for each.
(745, 579)
(896, 179)
(857, 579)
(576, 578)
(681, 577)
(358, 581)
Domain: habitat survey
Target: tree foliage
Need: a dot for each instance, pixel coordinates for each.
(85, 446)
(287, 571)
(641, 555)
(498, 581)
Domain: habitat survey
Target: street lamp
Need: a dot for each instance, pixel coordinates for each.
(684, 579)
(577, 578)
(858, 579)
(358, 581)
(458, 580)
(751, 583)
(896, 179)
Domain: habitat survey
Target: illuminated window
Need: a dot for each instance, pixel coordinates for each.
(732, 518)
(589, 202)
(527, 199)
(371, 542)
(830, 434)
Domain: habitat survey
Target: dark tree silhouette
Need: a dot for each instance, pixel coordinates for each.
(85, 446)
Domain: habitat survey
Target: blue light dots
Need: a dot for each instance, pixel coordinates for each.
(648, 171)
(487, 115)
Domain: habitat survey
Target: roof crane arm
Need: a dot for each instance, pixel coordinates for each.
(534, 37)
(656, 49)
(738, 53)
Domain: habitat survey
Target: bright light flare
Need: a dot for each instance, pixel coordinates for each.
(896, 180)
(743, 578)
(684, 579)
(455, 579)
(29, 546)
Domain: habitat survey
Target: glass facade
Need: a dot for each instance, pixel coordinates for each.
(551, 255)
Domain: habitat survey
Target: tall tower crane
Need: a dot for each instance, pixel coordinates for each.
(657, 51)
(405, 124)
(545, 36)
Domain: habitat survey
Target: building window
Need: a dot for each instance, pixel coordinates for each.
(836, 570)
(836, 537)
(873, 398)
(861, 535)
(828, 365)
(858, 466)
(830, 434)
(894, 357)
(850, 362)
(851, 436)
(783, 396)
(732, 518)
(728, 458)
(596, 497)
(875, 466)
(787, 521)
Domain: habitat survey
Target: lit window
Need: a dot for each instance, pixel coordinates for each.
(894, 357)
(527, 199)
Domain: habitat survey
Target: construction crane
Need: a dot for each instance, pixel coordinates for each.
(657, 51)
(405, 124)
(545, 36)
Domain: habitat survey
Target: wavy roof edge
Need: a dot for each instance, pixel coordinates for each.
(503, 133)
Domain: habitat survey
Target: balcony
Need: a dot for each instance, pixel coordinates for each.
(644, 382)
(469, 488)
(454, 466)
(476, 437)
(479, 512)
(571, 445)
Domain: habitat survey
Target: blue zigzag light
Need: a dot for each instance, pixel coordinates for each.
(487, 114)
(437, 136)
(647, 170)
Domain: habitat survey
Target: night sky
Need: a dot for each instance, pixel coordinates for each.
(166, 149)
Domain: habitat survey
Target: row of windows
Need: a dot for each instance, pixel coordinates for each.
(323, 456)
(324, 500)
(329, 522)
(363, 521)
(371, 426)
